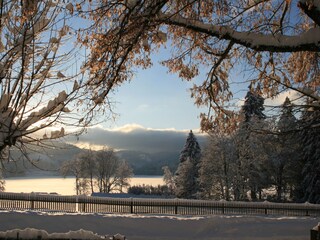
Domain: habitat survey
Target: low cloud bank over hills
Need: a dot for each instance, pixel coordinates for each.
(146, 150)
(136, 138)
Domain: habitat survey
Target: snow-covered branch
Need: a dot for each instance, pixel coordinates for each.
(307, 41)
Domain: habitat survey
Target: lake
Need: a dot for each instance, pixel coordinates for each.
(63, 186)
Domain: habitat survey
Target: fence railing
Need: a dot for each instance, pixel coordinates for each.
(58, 203)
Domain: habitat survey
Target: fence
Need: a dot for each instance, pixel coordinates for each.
(84, 204)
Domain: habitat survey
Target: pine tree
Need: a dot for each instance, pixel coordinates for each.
(286, 167)
(186, 176)
(287, 121)
(253, 105)
(310, 139)
(249, 165)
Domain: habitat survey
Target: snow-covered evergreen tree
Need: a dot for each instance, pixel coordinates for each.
(286, 167)
(253, 105)
(185, 180)
(310, 141)
(186, 176)
(248, 143)
(287, 121)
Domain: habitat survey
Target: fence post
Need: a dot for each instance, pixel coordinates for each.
(131, 205)
(176, 206)
(77, 203)
(84, 207)
(32, 201)
(223, 208)
(266, 211)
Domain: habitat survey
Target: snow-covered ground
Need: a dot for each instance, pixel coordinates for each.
(153, 227)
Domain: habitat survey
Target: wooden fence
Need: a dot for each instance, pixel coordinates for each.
(84, 204)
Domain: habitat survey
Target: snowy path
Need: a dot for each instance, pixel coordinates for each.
(144, 227)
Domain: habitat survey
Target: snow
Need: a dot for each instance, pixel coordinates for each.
(281, 43)
(33, 233)
(140, 227)
(317, 227)
(57, 133)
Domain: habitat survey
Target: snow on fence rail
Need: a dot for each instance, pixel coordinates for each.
(84, 204)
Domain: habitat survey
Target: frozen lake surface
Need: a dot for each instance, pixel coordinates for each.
(63, 186)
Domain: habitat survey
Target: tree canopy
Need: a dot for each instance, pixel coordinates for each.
(275, 42)
(42, 88)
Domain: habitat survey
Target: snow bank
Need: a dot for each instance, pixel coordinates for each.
(32, 233)
(317, 227)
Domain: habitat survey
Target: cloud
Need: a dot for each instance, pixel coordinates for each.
(134, 137)
(125, 128)
(294, 96)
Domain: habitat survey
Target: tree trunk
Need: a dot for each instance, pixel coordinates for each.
(279, 183)
(91, 183)
(77, 186)
(253, 193)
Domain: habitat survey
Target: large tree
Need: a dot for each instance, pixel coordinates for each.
(275, 41)
(286, 166)
(187, 174)
(310, 139)
(100, 171)
(41, 83)
(218, 169)
(248, 142)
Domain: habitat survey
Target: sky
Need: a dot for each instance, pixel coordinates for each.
(154, 113)
(156, 99)
(153, 98)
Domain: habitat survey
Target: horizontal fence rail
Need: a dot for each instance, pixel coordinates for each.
(84, 204)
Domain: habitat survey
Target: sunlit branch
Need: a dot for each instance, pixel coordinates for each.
(307, 41)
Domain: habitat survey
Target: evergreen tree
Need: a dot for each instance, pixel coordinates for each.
(286, 167)
(287, 121)
(310, 139)
(253, 105)
(186, 176)
(248, 149)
